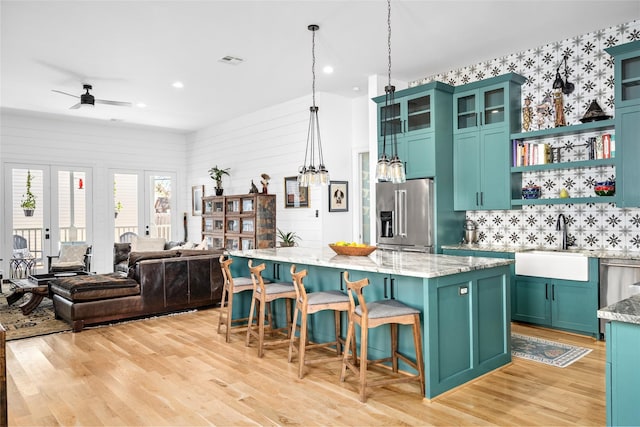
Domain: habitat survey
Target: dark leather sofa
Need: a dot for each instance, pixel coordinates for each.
(157, 283)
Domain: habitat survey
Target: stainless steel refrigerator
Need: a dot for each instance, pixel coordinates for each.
(404, 214)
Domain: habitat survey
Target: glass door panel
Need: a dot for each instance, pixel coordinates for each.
(125, 205)
(467, 112)
(494, 106)
(631, 79)
(419, 113)
(159, 217)
(27, 226)
(390, 117)
(72, 206)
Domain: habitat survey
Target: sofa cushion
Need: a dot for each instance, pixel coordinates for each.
(196, 252)
(135, 257)
(146, 244)
(95, 287)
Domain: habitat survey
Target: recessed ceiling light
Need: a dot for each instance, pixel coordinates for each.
(141, 105)
(328, 69)
(177, 85)
(356, 88)
(231, 60)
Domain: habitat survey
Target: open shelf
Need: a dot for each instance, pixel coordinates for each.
(565, 130)
(566, 201)
(564, 165)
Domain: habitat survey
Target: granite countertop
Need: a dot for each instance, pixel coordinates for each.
(627, 310)
(596, 253)
(390, 262)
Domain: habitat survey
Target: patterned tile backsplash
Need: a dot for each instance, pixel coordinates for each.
(592, 225)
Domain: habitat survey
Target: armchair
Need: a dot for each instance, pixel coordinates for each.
(72, 257)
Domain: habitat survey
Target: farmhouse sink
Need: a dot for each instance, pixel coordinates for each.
(553, 264)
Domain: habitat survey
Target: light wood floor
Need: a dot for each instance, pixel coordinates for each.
(178, 371)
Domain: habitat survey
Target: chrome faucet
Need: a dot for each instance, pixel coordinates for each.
(562, 226)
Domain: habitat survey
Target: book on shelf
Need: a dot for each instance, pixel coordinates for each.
(530, 154)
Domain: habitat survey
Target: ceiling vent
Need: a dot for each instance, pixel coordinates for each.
(231, 60)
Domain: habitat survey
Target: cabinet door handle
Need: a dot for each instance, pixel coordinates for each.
(481, 198)
(393, 283)
(546, 291)
(341, 282)
(476, 198)
(553, 292)
(385, 288)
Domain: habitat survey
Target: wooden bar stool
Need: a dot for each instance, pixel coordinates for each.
(264, 293)
(309, 303)
(231, 287)
(371, 315)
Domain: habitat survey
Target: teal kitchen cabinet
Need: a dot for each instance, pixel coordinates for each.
(420, 119)
(627, 119)
(485, 113)
(622, 373)
(561, 304)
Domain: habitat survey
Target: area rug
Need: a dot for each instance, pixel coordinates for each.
(545, 351)
(41, 321)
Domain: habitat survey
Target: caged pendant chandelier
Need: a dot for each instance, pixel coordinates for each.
(308, 174)
(389, 170)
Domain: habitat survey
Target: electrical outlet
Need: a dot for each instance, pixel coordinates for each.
(463, 290)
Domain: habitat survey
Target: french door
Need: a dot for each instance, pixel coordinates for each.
(62, 213)
(144, 204)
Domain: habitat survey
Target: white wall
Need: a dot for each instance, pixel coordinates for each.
(56, 140)
(273, 141)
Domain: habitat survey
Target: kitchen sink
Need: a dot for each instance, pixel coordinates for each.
(554, 264)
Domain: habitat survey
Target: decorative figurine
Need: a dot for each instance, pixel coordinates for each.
(527, 114)
(543, 112)
(265, 182)
(558, 105)
(254, 189)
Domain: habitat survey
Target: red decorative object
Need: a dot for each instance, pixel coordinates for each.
(80, 184)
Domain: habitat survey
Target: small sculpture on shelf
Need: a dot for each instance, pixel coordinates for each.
(254, 189)
(527, 115)
(265, 182)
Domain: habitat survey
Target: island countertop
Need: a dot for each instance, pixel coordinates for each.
(627, 310)
(381, 261)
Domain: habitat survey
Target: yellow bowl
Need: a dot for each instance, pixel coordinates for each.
(353, 250)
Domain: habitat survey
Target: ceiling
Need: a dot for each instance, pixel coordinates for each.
(134, 50)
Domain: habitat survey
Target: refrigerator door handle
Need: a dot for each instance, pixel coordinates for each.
(401, 208)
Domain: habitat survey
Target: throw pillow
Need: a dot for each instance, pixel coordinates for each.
(146, 244)
(72, 253)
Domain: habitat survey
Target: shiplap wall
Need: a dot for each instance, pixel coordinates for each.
(273, 141)
(101, 146)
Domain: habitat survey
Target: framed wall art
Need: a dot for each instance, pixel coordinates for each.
(338, 196)
(197, 191)
(294, 195)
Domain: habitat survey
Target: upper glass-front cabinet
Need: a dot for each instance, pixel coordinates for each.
(408, 114)
(477, 108)
(626, 73)
(630, 82)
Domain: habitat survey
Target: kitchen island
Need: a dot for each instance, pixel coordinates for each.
(622, 374)
(464, 303)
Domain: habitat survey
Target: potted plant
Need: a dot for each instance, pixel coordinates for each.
(118, 206)
(216, 174)
(287, 239)
(28, 202)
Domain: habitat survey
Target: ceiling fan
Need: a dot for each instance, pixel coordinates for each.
(89, 100)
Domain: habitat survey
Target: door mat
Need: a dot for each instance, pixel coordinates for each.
(545, 351)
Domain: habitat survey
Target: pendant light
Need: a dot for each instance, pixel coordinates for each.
(308, 175)
(389, 170)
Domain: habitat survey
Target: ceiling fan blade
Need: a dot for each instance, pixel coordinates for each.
(119, 103)
(75, 107)
(64, 93)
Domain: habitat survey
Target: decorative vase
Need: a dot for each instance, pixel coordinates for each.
(28, 212)
(219, 191)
